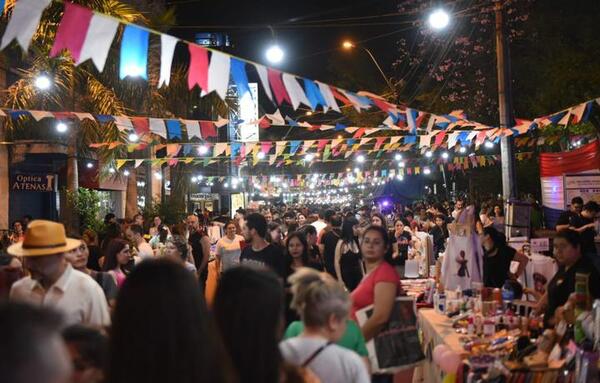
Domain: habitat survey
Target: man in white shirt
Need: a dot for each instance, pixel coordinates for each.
(53, 281)
(135, 233)
(320, 224)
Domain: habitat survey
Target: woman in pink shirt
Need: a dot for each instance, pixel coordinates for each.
(379, 287)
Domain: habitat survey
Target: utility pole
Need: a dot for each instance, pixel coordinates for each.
(509, 187)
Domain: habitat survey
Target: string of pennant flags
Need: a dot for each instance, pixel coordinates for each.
(182, 129)
(457, 163)
(88, 35)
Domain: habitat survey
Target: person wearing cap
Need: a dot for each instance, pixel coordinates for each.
(53, 281)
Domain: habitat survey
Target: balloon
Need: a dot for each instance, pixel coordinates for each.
(438, 351)
(449, 362)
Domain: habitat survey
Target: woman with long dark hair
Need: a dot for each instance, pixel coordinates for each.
(497, 257)
(162, 331)
(248, 309)
(116, 259)
(348, 266)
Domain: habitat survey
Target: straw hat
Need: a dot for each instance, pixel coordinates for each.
(43, 238)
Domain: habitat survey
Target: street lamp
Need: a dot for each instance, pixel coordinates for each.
(439, 19)
(42, 82)
(274, 54)
(61, 127)
(349, 45)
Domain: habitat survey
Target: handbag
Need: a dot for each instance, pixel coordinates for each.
(397, 346)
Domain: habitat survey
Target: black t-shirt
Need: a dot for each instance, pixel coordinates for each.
(271, 257)
(497, 267)
(195, 241)
(566, 218)
(329, 240)
(563, 284)
(588, 246)
(403, 241)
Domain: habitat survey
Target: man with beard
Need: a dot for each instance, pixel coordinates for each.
(258, 251)
(329, 239)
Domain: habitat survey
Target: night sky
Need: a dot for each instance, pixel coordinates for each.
(308, 49)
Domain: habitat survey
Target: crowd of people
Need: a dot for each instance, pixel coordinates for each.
(129, 304)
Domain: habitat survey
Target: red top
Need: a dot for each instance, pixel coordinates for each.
(364, 294)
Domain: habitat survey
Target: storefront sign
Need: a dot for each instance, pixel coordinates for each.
(586, 186)
(34, 182)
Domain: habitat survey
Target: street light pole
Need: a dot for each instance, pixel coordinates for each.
(349, 45)
(509, 187)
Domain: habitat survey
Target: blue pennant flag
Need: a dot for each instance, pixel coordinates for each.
(18, 113)
(411, 120)
(238, 72)
(339, 127)
(294, 145)
(313, 94)
(187, 149)
(554, 119)
(104, 118)
(291, 121)
(462, 138)
(173, 129)
(134, 52)
(2, 4)
(410, 139)
(350, 141)
(588, 110)
(235, 149)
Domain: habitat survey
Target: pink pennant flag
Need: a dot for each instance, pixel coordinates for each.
(208, 129)
(265, 147)
(439, 138)
(378, 142)
(321, 145)
(198, 71)
(72, 30)
(141, 125)
(278, 87)
(359, 133)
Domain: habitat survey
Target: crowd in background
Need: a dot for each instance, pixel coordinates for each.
(129, 304)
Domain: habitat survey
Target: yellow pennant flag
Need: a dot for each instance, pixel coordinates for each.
(120, 163)
(279, 147)
(272, 159)
(219, 149)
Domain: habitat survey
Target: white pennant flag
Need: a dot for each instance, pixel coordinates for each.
(83, 116)
(138, 163)
(123, 123)
(157, 126)
(264, 79)
(24, 22)
(295, 91)
(193, 128)
(328, 96)
(218, 73)
(167, 48)
(39, 114)
(98, 39)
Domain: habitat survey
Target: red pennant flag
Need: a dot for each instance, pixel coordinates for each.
(359, 133)
(439, 138)
(321, 145)
(409, 171)
(172, 161)
(62, 115)
(278, 87)
(265, 147)
(381, 104)
(198, 72)
(141, 125)
(379, 142)
(340, 96)
(264, 123)
(314, 127)
(420, 119)
(71, 32)
(208, 129)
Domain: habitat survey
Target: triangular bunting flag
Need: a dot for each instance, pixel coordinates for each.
(198, 70)
(71, 31)
(157, 126)
(295, 91)
(263, 74)
(278, 87)
(134, 52)
(24, 22)
(167, 49)
(218, 73)
(100, 35)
